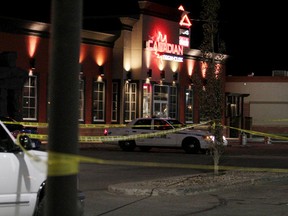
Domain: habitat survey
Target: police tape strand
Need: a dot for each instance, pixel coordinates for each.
(61, 164)
(101, 139)
(257, 133)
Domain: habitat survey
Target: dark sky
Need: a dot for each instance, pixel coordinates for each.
(255, 34)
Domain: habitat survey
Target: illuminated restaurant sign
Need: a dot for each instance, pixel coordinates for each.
(165, 50)
(184, 30)
(184, 41)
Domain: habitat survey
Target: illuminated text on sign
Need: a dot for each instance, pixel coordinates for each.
(160, 46)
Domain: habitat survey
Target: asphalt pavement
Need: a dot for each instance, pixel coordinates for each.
(265, 199)
(254, 194)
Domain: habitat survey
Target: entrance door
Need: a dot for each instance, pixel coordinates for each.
(160, 109)
(160, 101)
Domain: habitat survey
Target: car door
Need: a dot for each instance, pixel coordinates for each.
(14, 200)
(141, 128)
(162, 136)
(19, 182)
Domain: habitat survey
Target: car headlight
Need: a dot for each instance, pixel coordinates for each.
(208, 138)
(212, 138)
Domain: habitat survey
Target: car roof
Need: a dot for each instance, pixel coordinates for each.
(153, 118)
(156, 118)
(6, 118)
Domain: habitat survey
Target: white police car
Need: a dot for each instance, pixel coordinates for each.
(147, 133)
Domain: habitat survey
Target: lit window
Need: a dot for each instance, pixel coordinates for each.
(81, 100)
(98, 107)
(189, 106)
(130, 101)
(115, 101)
(30, 99)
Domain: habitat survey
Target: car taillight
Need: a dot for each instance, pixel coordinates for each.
(15, 133)
(105, 132)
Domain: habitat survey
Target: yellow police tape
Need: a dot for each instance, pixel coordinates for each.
(62, 164)
(257, 133)
(65, 164)
(44, 125)
(101, 139)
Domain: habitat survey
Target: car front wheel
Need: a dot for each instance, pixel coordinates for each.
(144, 148)
(191, 145)
(128, 145)
(40, 208)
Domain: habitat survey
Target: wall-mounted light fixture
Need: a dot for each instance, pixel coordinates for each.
(81, 71)
(175, 76)
(101, 70)
(128, 76)
(204, 83)
(162, 75)
(149, 73)
(190, 81)
(32, 62)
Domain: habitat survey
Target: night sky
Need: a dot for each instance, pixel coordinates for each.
(254, 32)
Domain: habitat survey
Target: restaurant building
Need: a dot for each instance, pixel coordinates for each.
(142, 68)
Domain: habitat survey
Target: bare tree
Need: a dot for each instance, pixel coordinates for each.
(212, 95)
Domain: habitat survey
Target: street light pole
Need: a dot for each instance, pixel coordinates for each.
(64, 111)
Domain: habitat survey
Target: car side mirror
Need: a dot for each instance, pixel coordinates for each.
(25, 142)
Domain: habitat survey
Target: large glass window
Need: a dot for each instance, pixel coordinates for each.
(81, 100)
(146, 112)
(115, 101)
(130, 101)
(160, 101)
(189, 106)
(98, 107)
(30, 103)
(173, 102)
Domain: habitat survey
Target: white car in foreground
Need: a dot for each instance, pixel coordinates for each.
(147, 133)
(22, 178)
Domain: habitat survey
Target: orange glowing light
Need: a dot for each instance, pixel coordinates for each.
(148, 58)
(190, 66)
(204, 67)
(32, 43)
(100, 55)
(83, 53)
(174, 66)
(217, 70)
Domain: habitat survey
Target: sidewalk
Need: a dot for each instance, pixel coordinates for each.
(195, 184)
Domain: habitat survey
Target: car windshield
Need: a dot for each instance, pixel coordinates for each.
(175, 123)
(6, 143)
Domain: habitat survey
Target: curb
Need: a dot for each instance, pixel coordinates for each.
(177, 186)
